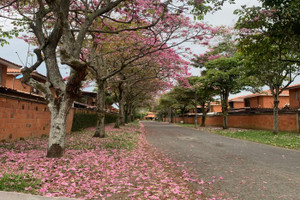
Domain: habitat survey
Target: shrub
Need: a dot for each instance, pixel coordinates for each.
(83, 120)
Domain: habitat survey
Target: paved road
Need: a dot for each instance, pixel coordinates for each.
(249, 170)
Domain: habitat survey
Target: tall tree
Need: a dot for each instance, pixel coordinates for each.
(225, 76)
(59, 28)
(270, 44)
(203, 95)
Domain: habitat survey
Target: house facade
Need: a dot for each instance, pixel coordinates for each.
(265, 100)
(236, 103)
(294, 98)
(4, 66)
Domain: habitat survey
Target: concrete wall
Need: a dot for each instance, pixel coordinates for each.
(287, 121)
(25, 118)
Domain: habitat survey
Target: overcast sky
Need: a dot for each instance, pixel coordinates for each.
(17, 50)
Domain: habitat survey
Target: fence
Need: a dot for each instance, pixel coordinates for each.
(23, 115)
(287, 121)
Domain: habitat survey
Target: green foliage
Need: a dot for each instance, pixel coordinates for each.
(19, 183)
(225, 75)
(270, 41)
(82, 120)
(282, 139)
(202, 7)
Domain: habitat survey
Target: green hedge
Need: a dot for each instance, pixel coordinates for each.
(82, 120)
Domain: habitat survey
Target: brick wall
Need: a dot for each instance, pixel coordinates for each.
(294, 98)
(16, 84)
(3, 74)
(287, 121)
(267, 101)
(25, 118)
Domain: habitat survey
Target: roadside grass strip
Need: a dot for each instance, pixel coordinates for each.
(122, 165)
(282, 139)
(288, 140)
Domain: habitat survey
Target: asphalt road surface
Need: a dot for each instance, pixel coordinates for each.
(248, 170)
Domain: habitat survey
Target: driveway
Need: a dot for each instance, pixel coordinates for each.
(239, 169)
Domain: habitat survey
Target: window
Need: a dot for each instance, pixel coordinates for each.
(258, 101)
(247, 103)
(231, 104)
(296, 94)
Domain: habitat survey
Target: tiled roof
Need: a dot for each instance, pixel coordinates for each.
(11, 70)
(294, 86)
(238, 99)
(9, 64)
(20, 94)
(266, 93)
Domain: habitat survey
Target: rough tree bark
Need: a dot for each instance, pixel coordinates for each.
(224, 101)
(100, 128)
(275, 111)
(203, 114)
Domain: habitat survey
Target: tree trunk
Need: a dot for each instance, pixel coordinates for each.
(225, 110)
(131, 113)
(100, 128)
(196, 115)
(120, 118)
(126, 114)
(182, 112)
(59, 112)
(203, 115)
(275, 114)
(170, 115)
(121, 111)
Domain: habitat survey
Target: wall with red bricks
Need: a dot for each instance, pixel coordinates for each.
(294, 98)
(267, 101)
(25, 118)
(16, 84)
(3, 76)
(238, 104)
(287, 122)
(216, 108)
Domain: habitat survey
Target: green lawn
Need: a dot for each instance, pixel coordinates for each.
(282, 139)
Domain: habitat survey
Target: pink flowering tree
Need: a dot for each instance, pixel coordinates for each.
(153, 68)
(60, 28)
(107, 55)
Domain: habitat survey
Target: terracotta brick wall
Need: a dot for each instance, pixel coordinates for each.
(3, 75)
(294, 98)
(238, 104)
(287, 122)
(16, 84)
(22, 118)
(267, 101)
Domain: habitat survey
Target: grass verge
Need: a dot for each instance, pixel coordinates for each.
(282, 139)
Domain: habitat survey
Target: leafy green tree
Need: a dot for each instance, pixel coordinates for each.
(203, 95)
(225, 76)
(182, 98)
(269, 43)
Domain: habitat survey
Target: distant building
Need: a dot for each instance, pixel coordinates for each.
(149, 116)
(294, 95)
(265, 99)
